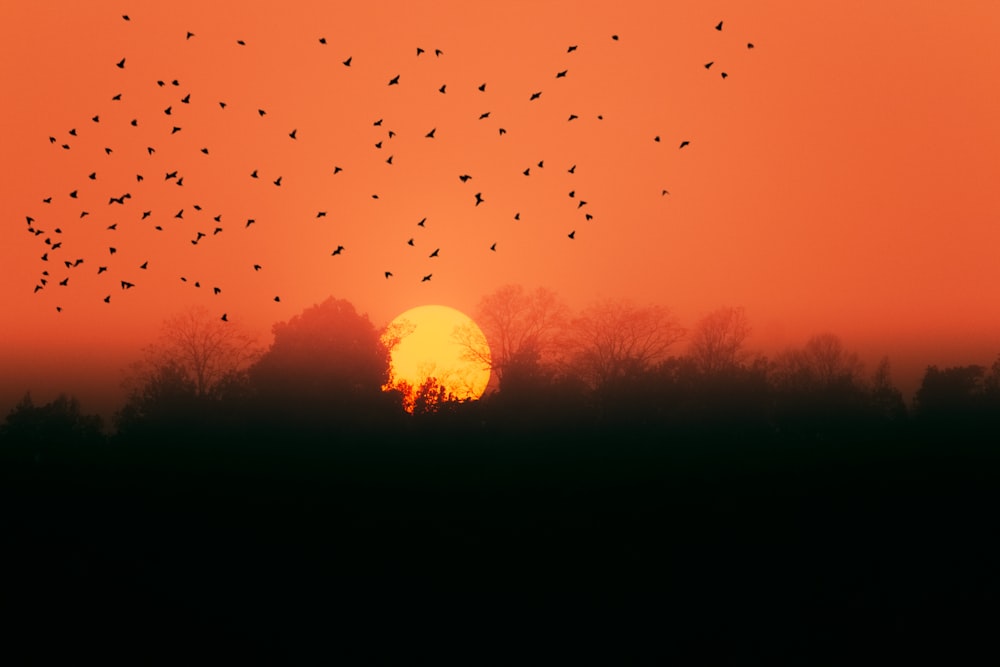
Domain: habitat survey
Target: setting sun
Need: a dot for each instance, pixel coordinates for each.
(428, 356)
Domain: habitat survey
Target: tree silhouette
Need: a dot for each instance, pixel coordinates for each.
(199, 345)
(328, 363)
(613, 340)
(716, 343)
(519, 329)
(60, 422)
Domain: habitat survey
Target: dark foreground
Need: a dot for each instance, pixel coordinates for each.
(549, 551)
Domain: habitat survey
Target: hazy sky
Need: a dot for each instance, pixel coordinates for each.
(843, 177)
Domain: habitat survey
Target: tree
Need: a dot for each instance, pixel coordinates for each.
(616, 339)
(716, 343)
(203, 348)
(327, 361)
(60, 422)
(518, 328)
(887, 400)
(822, 363)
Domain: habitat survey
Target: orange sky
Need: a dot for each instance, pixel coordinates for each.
(843, 177)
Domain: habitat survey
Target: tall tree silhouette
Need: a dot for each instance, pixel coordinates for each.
(327, 363)
(520, 330)
(716, 343)
(59, 422)
(613, 340)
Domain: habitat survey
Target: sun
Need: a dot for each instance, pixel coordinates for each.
(428, 356)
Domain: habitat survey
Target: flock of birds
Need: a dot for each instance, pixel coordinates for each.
(53, 257)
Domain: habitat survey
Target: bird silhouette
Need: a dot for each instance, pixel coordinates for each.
(388, 274)
(337, 170)
(438, 53)
(121, 64)
(719, 27)
(293, 133)
(277, 181)
(684, 143)
(321, 214)
(573, 116)
(419, 50)
(493, 247)
(527, 172)
(709, 64)
(410, 242)
(339, 250)
(421, 223)
(144, 265)
(502, 131)
(186, 99)
(426, 278)
(107, 299)
(257, 267)
(572, 234)
(253, 174)
(430, 135)
(435, 253)
(224, 318)
(394, 81)
(101, 269)
(517, 216)
(241, 42)
(189, 35)
(572, 169)
(169, 110)
(479, 198)
(562, 74)
(64, 282)
(464, 177)
(146, 214)
(347, 63)
(216, 290)
(261, 113)
(749, 45)
(322, 40)
(127, 285)
(277, 299)
(571, 49)
(614, 37)
(724, 75)
(482, 88)
(535, 96)
(441, 89)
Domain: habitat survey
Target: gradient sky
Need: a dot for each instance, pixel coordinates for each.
(842, 178)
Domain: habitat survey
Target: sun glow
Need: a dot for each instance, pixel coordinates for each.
(428, 361)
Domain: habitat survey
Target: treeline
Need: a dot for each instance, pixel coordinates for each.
(610, 372)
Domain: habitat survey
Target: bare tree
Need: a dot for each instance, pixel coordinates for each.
(821, 362)
(717, 340)
(205, 349)
(614, 339)
(516, 327)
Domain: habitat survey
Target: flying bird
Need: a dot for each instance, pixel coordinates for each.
(485, 115)
(435, 253)
(479, 198)
(186, 99)
(572, 234)
(684, 143)
(388, 274)
(562, 74)
(293, 133)
(709, 64)
(322, 40)
(421, 223)
(441, 89)
(347, 63)
(719, 27)
(430, 135)
(572, 169)
(749, 45)
(410, 242)
(121, 64)
(426, 278)
(493, 247)
(127, 285)
(571, 49)
(535, 96)
(394, 81)
(419, 50)
(482, 88)
(277, 181)
(321, 214)
(339, 250)
(464, 177)
(224, 317)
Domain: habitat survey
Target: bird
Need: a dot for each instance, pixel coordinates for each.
(107, 299)
(656, 138)
(562, 74)
(205, 151)
(435, 253)
(541, 164)
(150, 150)
(426, 278)
(173, 130)
(441, 89)
(179, 214)
(321, 214)
(339, 250)
(277, 299)
(493, 247)
(64, 282)
(438, 53)
(73, 194)
(146, 214)
(257, 267)
(347, 63)
(337, 170)
(684, 143)
(222, 105)
(709, 64)
(724, 75)
(749, 45)
(571, 49)
(224, 317)
(261, 113)
(517, 216)
(419, 50)
(479, 198)
(573, 116)
(189, 35)
(527, 172)
(253, 174)
(127, 285)
(664, 192)
(121, 64)
(410, 242)
(388, 274)
(719, 27)
(134, 122)
(464, 177)
(485, 115)
(614, 37)
(72, 132)
(92, 175)
(101, 269)
(482, 88)
(169, 175)
(277, 181)
(216, 290)
(169, 110)
(572, 193)
(421, 223)
(394, 81)
(125, 16)
(47, 200)
(144, 265)
(241, 42)
(322, 40)
(96, 119)
(293, 133)
(535, 96)
(572, 234)
(572, 169)
(186, 99)
(430, 135)
(389, 160)
(502, 131)
(589, 216)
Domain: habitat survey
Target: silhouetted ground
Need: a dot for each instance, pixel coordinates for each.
(491, 550)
